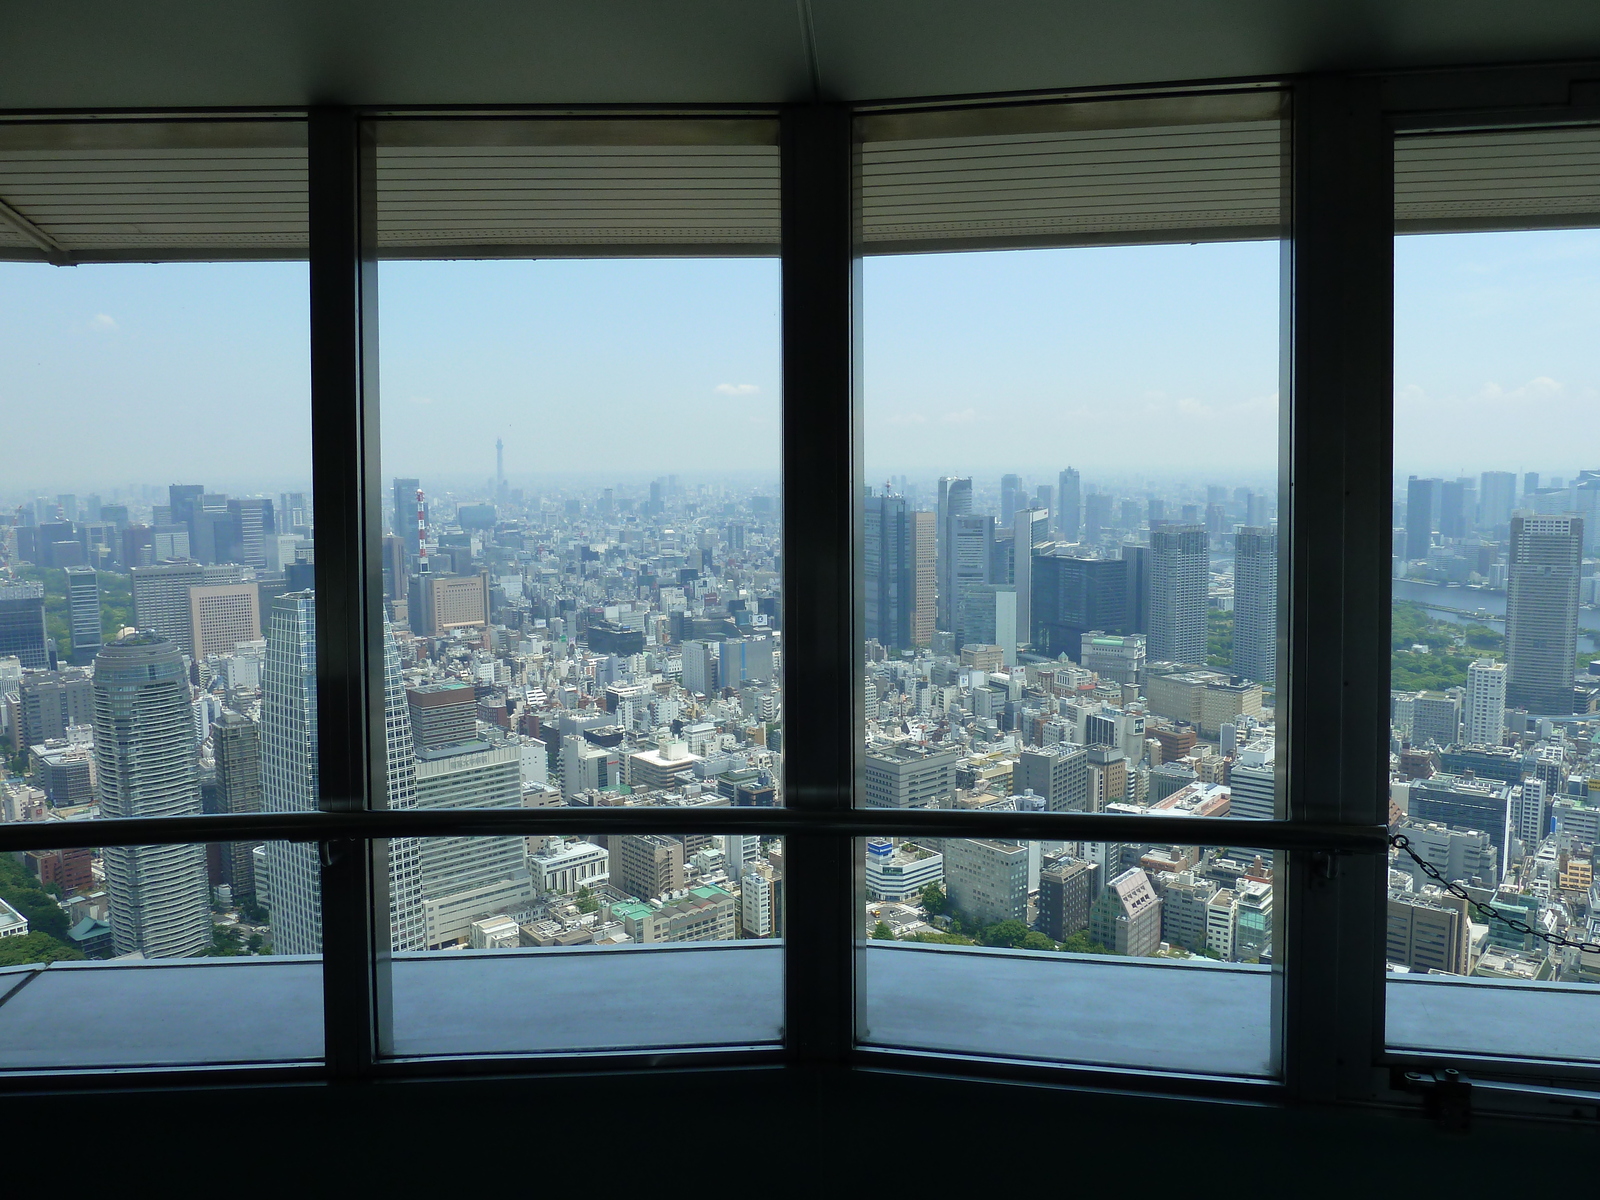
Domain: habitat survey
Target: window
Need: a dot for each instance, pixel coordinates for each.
(158, 413)
(1070, 561)
(1493, 692)
(1007, 698)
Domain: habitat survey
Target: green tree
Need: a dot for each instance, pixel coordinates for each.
(1038, 941)
(21, 891)
(1079, 943)
(586, 899)
(36, 948)
(1219, 638)
(1004, 933)
(882, 933)
(225, 942)
(934, 900)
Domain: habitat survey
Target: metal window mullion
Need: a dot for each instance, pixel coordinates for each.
(352, 752)
(1337, 445)
(821, 619)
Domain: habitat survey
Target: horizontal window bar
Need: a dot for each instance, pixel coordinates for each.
(909, 823)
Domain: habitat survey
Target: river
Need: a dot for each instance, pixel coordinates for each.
(1439, 601)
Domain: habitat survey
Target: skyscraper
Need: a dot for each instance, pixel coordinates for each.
(1497, 496)
(83, 605)
(1074, 596)
(289, 781)
(1138, 616)
(1255, 604)
(253, 523)
(1068, 503)
(1542, 612)
(1453, 504)
(144, 748)
(236, 741)
(1485, 718)
(1096, 515)
(899, 570)
(955, 500)
(22, 629)
(1422, 515)
(971, 546)
(223, 615)
(1180, 564)
(1010, 498)
(161, 600)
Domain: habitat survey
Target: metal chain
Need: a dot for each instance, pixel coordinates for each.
(1401, 842)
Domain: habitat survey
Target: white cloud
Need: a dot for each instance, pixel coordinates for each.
(913, 418)
(101, 321)
(1190, 407)
(965, 417)
(421, 399)
(738, 389)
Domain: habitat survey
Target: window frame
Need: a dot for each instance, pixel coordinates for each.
(1337, 330)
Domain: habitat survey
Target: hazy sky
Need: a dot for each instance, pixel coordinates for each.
(1156, 359)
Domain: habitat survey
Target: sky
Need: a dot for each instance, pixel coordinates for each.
(1150, 360)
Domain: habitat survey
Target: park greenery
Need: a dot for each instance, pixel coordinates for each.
(116, 604)
(961, 931)
(1219, 638)
(1451, 649)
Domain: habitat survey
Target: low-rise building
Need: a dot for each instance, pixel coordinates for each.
(900, 872)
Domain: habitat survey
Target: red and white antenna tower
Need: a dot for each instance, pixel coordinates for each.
(422, 535)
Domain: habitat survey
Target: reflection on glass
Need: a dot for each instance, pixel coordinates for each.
(1495, 781)
(1049, 938)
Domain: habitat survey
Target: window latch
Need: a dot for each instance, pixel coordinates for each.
(1446, 1095)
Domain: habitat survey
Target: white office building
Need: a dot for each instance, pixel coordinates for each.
(1484, 720)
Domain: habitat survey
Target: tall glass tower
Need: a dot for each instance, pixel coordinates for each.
(1180, 567)
(289, 781)
(144, 747)
(1255, 604)
(1542, 612)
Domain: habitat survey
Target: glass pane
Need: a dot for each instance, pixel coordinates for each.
(582, 562)
(112, 958)
(1070, 558)
(156, 624)
(635, 941)
(1112, 954)
(1070, 536)
(1495, 664)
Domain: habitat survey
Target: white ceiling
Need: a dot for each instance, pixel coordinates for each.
(161, 53)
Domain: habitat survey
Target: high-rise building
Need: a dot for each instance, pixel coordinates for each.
(646, 865)
(1484, 717)
(955, 501)
(440, 603)
(899, 567)
(1255, 604)
(252, 518)
(1497, 496)
(1453, 495)
(1096, 515)
(83, 607)
(223, 615)
(442, 714)
(161, 600)
(1138, 560)
(1059, 773)
(1427, 932)
(22, 628)
(986, 880)
(236, 742)
(1075, 596)
(910, 777)
(1423, 498)
(464, 879)
(1180, 566)
(405, 512)
(289, 781)
(1065, 890)
(1010, 498)
(1542, 612)
(1252, 782)
(1068, 504)
(145, 763)
(971, 546)
(1126, 917)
